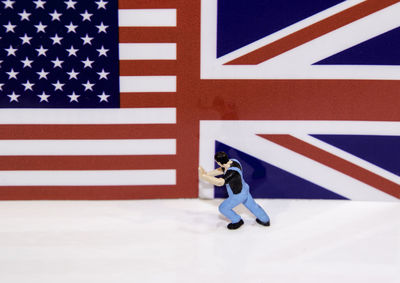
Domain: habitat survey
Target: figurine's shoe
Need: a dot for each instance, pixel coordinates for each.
(234, 226)
(263, 223)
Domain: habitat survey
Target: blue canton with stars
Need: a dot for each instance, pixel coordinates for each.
(59, 54)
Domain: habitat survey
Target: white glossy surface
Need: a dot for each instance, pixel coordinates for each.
(186, 241)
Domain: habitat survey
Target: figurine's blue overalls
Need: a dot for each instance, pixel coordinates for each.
(243, 197)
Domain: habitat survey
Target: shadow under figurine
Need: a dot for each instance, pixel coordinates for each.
(238, 190)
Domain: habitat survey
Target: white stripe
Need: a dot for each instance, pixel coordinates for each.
(88, 178)
(147, 51)
(89, 116)
(147, 18)
(147, 83)
(299, 127)
(88, 147)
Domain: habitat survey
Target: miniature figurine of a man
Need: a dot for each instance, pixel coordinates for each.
(238, 190)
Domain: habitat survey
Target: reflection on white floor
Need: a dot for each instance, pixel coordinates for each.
(186, 241)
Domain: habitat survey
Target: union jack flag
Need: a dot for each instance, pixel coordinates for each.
(333, 65)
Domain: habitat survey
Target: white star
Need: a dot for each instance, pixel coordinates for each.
(1, 86)
(88, 86)
(13, 97)
(27, 62)
(102, 51)
(39, 4)
(71, 27)
(24, 15)
(28, 85)
(86, 16)
(12, 74)
(102, 28)
(26, 39)
(56, 39)
(11, 50)
(42, 74)
(103, 97)
(73, 97)
(41, 51)
(55, 16)
(40, 27)
(70, 4)
(87, 40)
(87, 63)
(103, 74)
(73, 74)
(101, 4)
(58, 86)
(9, 27)
(43, 97)
(57, 63)
(8, 4)
(72, 51)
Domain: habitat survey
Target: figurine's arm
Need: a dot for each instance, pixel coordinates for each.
(210, 178)
(215, 172)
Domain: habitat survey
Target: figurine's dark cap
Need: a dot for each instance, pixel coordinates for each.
(221, 157)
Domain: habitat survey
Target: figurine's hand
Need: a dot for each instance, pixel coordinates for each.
(202, 171)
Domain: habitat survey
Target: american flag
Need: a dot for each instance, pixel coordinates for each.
(83, 116)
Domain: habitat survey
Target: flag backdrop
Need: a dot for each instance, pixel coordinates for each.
(123, 99)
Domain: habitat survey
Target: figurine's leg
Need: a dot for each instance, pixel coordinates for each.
(257, 210)
(226, 209)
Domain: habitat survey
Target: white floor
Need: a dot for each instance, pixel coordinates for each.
(186, 241)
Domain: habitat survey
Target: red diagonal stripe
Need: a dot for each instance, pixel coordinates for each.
(336, 163)
(311, 32)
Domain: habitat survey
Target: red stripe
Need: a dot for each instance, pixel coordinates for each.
(26, 132)
(316, 30)
(147, 67)
(336, 163)
(131, 162)
(148, 34)
(90, 192)
(148, 100)
(298, 100)
(147, 4)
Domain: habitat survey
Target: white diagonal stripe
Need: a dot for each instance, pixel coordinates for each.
(290, 29)
(349, 157)
(242, 135)
(297, 63)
